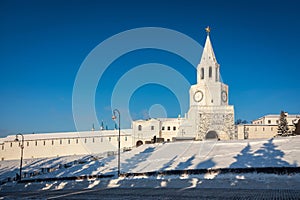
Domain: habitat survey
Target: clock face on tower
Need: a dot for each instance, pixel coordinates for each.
(224, 96)
(198, 96)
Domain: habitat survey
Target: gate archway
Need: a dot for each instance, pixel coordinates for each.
(139, 143)
(211, 135)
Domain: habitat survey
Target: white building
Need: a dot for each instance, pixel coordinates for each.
(265, 127)
(209, 115)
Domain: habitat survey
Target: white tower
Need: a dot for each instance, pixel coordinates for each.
(209, 115)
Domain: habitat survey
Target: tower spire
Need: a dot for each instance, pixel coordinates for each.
(208, 68)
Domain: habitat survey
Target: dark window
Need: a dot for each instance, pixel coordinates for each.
(3, 147)
(44, 143)
(60, 141)
(109, 139)
(140, 127)
(169, 128)
(52, 142)
(152, 128)
(27, 143)
(163, 128)
(76, 141)
(85, 140)
(174, 128)
(269, 121)
(93, 140)
(11, 144)
(210, 72)
(35, 143)
(69, 141)
(125, 138)
(202, 73)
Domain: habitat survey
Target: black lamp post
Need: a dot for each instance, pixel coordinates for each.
(114, 117)
(22, 147)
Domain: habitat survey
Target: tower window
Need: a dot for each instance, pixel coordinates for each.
(140, 127)
(210, 72)
(202, 73)
(152, 128)
(163, 128)
(169, 128)
(217, 77)
(174, 128)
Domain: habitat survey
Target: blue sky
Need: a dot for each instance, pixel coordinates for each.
(43, 44)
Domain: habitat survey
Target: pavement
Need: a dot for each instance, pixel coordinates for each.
(156, 193)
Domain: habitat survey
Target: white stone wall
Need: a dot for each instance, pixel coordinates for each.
(52, 145)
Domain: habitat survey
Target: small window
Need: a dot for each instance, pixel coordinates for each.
(269, 121)
(169, 128)
(152, 128)
(163, 128)
(44, 142)
(52, 142)
(69, 141)
(60, 141)
(109, 139)
(263, 128)
(140, 127)
(174, 128)
(27, 143)
(125, 138)
(36, 143)
(76, 141)
(217, 77)
(85, 140)
(271, 128)
(277, 121)
(2, 147)
(93, 140)
(202, 73)
(11, 144)
(210, 72)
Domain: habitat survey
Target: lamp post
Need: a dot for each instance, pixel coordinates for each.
(114, 117)
(22, 147)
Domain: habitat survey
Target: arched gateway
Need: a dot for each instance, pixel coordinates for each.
(211, 135)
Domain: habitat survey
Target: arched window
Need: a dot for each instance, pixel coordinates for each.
(202, 73)
(210, 72)
(140, 127)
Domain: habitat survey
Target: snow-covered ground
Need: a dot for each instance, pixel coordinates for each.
(277, 152)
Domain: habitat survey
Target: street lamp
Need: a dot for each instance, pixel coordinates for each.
(22, 147)
(114, 117)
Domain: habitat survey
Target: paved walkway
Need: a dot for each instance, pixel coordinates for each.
(150, 193)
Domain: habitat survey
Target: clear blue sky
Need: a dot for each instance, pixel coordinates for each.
(43, 44)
